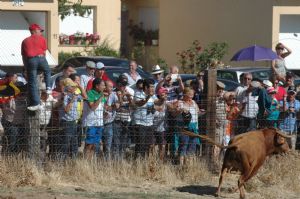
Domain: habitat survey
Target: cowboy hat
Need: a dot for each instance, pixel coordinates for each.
(156, 70)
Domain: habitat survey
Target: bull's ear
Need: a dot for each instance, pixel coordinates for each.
(280, 140)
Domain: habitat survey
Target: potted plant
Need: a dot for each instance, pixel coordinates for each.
(95, 38)
(88, 38)
(137, 32)
(79, 37)
(155, 37)
(71, 39)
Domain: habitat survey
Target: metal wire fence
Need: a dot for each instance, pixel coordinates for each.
(50, 134)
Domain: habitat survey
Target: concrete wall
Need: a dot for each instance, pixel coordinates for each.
(240, 23)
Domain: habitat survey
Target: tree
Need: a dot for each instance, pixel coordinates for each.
(67, 7)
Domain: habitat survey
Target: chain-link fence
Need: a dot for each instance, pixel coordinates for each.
(129, 131)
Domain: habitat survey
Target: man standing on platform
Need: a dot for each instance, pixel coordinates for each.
(33, 51)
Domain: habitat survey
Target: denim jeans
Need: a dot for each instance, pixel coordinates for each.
(120, 139)
(107, 138)
(245, 124)
(69, 134)
(33, 65)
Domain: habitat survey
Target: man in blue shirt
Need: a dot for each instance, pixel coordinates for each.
(290, 107)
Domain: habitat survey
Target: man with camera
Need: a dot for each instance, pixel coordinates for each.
(290, 107)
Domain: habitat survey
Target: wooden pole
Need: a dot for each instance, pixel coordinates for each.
(211, 108)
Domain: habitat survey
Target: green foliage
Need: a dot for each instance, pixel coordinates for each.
(162, 63)
(138, 51)
(62, 56)
(194, 59)
(66, 8)
(214, 52)
(105, 49)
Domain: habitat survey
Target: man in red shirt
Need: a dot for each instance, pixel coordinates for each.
(99, 73)
(33, 51)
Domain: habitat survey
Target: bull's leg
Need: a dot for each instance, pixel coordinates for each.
(223, 172)
(245, 173)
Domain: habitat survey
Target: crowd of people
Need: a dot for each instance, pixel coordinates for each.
(133, 114)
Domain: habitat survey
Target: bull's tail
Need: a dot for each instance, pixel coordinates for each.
(205, 137)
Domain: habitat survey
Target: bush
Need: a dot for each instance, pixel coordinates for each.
(63, 56)
(105, 49)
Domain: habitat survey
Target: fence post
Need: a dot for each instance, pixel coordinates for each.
(211, 109)
(34, 134)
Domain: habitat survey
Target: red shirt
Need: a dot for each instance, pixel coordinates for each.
(280, 93)
(33, 46)
(90, 82)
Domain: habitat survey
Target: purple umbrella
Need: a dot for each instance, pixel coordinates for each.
(254, 53)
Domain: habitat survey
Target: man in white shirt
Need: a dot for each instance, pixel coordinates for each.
(90, 70)
(246, 79)
(143, 117)
(133, 76)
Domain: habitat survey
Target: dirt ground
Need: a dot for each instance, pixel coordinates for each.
(204, 190)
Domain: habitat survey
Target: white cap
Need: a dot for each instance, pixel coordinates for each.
(267, 83)
(100, 65)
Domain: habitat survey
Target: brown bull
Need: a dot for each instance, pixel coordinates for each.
(247, 152)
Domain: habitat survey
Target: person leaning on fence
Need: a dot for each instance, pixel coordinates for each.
(232, 112)
(9, 98)
(93, 117)
(123, 117)
(33, 51)
(46, 106)
(159, 122)
(54, 137)
(264, 103)
(221, 121)
(68, 119)
(109, 117)
(173, 94)
(249, 109)
(143, 116)
(187, 147)
(290, 108)
(272, 117)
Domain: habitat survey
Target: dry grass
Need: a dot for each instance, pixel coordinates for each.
(278, 171)
(281, 171)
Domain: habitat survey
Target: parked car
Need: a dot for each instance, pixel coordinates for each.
(81, 60)
(229, 85)
(234, 73)
(262, 73)
(113, 73)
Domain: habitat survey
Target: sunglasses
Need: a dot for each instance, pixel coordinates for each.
(279, 48)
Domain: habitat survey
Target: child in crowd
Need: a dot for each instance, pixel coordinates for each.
(273, 115)
(232, 113)
(93, 117)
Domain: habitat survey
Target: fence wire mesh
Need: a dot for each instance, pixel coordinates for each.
(131, 131)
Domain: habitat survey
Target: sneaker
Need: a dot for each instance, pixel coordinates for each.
(33, 108)
(49, 91)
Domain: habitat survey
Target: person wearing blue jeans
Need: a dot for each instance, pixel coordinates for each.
(33, 51)
(68, 116)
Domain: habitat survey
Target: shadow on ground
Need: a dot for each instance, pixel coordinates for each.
(198, 190)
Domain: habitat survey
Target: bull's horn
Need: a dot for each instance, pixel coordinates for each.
(205, 137)
(283, 135)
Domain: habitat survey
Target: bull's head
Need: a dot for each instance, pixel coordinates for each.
(281, 145)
